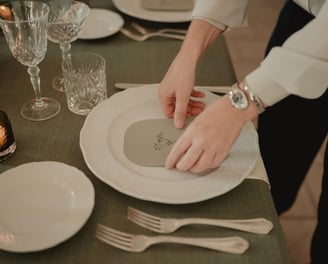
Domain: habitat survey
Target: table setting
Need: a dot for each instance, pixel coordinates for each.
(86, 184)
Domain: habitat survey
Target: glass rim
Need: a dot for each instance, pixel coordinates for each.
(80, 54)
(66, 22)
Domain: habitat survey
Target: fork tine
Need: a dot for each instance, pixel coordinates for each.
(114, 237)
(145, 220)
(134, 211)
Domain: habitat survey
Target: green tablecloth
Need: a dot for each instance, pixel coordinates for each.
(57, 139)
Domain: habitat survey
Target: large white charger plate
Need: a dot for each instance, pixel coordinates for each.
(101, 23)
(42, 204)
(102, 140)
(134, 8)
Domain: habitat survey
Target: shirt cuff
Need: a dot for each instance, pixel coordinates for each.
(269, 91)
(213, 23)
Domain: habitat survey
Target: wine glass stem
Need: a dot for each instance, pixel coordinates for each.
(65, 49)
(34, 71)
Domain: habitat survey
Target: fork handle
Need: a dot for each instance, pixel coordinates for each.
(234, 244)
(172, 30)
(254, 225)
(168, 35)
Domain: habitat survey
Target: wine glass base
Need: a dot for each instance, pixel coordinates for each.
(33, 112)
(58, 83)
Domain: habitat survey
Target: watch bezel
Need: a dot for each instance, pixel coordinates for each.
(238, 98)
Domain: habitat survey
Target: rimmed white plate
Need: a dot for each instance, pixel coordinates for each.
(133, 8)
(102, 140)
(101, 23)
(42, 204)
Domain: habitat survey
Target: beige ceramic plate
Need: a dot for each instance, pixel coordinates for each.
(42, 204)
(102, 145)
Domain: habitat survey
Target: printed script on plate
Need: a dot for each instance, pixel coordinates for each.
(148, 142)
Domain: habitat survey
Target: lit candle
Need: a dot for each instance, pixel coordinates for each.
(3, 137)
(7, 140)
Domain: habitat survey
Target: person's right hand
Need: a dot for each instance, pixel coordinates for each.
(176, 92)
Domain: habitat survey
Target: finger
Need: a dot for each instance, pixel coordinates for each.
(177, 151)
(195, 108)
(197, 94)
(180, 112)
(216, 162)
(203, 163)
(168, 105)
(188, 160)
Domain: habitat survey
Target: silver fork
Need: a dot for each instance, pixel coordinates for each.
(169, 225)
(143, 30)
(143, 37)
(138, 243)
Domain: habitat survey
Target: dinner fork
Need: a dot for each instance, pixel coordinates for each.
(143, 30)
(138, 243)
(169, 225)
(143, 37)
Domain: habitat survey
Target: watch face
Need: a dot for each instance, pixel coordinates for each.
(238, 99)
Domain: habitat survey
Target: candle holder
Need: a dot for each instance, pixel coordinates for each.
(7, 139)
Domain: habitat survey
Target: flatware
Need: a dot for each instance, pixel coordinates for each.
(215, 89)
(143, 37)
(138, 243)
(144, 31)
(169, 225)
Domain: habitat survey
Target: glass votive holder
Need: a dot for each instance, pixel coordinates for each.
(7, 139)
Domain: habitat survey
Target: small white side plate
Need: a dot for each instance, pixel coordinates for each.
(42, 204)
(101, 23)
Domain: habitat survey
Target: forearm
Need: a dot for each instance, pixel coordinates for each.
(199, 37)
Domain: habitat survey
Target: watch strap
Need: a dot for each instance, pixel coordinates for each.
(254, 98)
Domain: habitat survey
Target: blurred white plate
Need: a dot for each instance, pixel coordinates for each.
(102, 145)
(101, 23)
(133, 8)
(42, 204)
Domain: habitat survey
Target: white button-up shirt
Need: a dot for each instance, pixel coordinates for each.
(299, 67)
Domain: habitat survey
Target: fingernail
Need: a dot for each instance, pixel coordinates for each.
(179, 124)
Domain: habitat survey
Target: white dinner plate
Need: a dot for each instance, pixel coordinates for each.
(133, 8)
(101, 23)
(102, 141)
(42, 204)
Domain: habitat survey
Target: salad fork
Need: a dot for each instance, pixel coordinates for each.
(138, 243)
(169, 225)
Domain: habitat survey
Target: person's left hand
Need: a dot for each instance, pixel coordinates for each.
(207, 140)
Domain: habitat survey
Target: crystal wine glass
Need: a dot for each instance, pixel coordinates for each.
(65, 23)
(24, 24)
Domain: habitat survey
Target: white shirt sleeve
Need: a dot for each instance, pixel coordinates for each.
(222, 13)
(299, 67)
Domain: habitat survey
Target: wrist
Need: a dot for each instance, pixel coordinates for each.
(244, 102)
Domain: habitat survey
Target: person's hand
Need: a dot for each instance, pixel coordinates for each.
(208, 139)
(177, 95)
(176, 92)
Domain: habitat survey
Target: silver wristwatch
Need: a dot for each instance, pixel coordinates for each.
(238, 98)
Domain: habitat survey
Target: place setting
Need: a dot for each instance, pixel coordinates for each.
(137, 122)
(87, 182)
